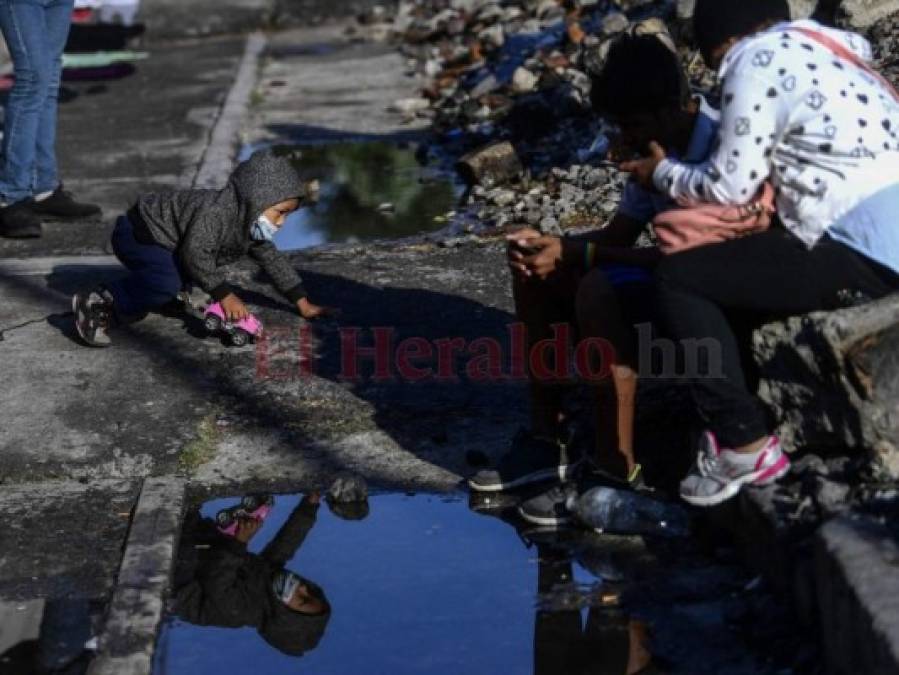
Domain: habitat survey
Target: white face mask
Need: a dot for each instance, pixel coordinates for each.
(263, 229)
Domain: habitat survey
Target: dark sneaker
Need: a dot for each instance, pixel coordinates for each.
(548, 509)
(93, 317)
(60, 204)
(531, 459)
(18, 221)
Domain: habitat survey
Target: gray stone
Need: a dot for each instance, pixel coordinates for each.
(832, 497)
(858, 593)
(832, 379)
(523, 81)
(348, 487)
(410, 106)
(549, 224)
(865, 13)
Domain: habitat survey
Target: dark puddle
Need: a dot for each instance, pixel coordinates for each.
(424, 584)
(371, 190)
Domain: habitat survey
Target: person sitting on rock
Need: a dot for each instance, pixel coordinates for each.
(601, 283)
(802, 109)
(233, 588)
(167, 239)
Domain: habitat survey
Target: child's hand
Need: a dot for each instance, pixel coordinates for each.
(309, 310)
(234, 308)
(247, 529)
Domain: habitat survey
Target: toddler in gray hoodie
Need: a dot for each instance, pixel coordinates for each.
(168, 239)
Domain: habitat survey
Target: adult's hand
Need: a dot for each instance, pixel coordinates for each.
(643, 169)
(519, 248)
(545, 259)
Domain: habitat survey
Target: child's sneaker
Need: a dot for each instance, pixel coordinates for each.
(719, 473)
(93, 316)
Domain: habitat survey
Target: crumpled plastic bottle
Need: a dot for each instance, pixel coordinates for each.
(605, 509)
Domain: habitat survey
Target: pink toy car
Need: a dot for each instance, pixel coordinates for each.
(240, 332)
(251, 506)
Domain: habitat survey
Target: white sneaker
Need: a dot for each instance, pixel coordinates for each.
(719, 473)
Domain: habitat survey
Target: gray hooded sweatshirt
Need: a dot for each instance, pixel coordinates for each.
(209, 229)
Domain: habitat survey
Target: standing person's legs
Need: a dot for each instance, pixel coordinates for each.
(608, 312)
(23, 26)
(772, 273)
(539, 453)
(540, 305)
(57, 21)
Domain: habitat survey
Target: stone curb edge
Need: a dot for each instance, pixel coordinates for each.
(218, 159)
(128, 639)
(858, 594)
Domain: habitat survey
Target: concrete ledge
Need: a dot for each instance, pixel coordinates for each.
(857, 577)
(129, 637)
(219, 158)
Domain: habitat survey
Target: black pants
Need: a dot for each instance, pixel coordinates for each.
(772, 275)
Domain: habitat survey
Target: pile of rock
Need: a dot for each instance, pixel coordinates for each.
(517, 74)
(516, 77)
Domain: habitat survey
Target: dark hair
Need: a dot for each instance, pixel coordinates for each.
(640, 75)
(716, 21)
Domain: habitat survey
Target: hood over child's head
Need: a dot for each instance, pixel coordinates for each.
(265, 180)
(291, 628)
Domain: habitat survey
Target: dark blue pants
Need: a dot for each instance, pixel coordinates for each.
(155, 278)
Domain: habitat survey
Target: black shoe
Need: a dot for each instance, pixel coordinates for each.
(18, 221)
(60, 204)
(531, 459)
(550, 509)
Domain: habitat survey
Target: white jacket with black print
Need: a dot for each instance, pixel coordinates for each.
(821, 128)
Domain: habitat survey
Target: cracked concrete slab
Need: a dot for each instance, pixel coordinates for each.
(145, 132)
(63, 539)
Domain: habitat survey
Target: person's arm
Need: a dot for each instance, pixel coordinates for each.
(276, 265)
(754, 111)
(612, 244)
(293, 533)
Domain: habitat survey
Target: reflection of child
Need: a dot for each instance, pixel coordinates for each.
(168, 238)
(234, 588)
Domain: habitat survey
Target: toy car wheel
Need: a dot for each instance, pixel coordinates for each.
(212, 323)
(251, 502)
(239, 338)
(223, 518)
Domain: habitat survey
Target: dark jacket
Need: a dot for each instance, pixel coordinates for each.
(209, 229)
(233, 588)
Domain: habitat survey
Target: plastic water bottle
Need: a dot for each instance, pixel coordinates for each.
(606, 509)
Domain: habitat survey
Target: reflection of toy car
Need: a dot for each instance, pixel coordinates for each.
(251, 506)
(240, 332)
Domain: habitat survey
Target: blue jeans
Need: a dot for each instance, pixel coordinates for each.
(155, 278)
(35, 32)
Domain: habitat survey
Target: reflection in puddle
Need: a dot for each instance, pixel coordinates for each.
(421, 584)
(46, 637)
(368, 191)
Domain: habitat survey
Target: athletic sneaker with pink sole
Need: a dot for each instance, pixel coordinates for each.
(719, 473)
